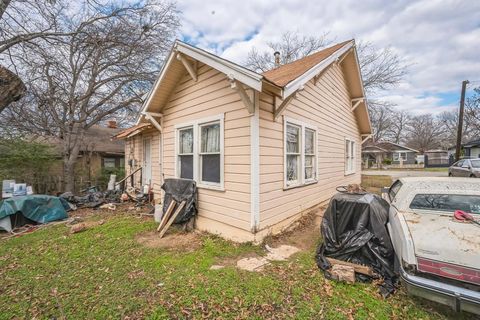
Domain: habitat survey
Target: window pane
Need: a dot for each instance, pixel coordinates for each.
(293, 135)
(109, 162)
(186, 140)
(309, 141)
(211, 168)
(292, 167)
(309, 161)
(210, 138)
(186, 167)
(309, 166)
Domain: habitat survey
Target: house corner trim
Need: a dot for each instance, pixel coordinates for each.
(255, 165)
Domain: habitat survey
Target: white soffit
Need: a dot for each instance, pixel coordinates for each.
(232, 70)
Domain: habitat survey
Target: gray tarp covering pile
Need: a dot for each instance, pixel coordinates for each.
(17, 211)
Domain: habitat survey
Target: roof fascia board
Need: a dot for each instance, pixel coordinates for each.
(155, 86)
(312, 72)
(364, 103)
(245, 76)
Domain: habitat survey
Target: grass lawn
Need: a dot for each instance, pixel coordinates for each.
(104, 272)
(375, 184)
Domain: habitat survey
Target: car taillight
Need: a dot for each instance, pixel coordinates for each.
(448, 270)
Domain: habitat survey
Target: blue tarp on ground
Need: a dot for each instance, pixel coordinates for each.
(39, 208)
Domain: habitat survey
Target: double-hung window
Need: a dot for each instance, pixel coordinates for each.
(199, 146)
(350, 156)
(399, 155)
(300, 153)
(185, 153)
(210, 153)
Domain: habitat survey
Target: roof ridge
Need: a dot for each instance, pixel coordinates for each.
(289, 72)
(340, 44)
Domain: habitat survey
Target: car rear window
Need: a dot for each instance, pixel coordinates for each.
(447, 202)
(475, 163)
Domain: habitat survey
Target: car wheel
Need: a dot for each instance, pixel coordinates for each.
(472, 176)
(450, 174)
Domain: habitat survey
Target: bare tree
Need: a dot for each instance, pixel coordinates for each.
(424, 133)
(103, 68)
(3, 6)
(24, 21)
(381, 68)
(292, 46)
(472, 111)
(381, 119)
(399, 122)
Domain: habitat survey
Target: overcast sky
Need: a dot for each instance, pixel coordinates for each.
(439, 39)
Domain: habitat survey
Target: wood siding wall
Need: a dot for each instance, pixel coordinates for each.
(326, 106)
(211, 95)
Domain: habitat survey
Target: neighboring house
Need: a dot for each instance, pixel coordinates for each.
(437, 157)
(472, 149)
(375, 154)
(263, 148)
(98, 151)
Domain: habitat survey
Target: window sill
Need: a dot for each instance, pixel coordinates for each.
(211, 187)
(350, 173)
(293, 186)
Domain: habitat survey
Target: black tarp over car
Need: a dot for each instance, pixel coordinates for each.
(354, 229)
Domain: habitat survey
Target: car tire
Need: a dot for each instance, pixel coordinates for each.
(472, 176)
(450, 174)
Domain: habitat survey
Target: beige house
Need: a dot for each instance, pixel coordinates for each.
(263, 148)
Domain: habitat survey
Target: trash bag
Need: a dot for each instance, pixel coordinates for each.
(33, 208)
(354, 229)
(180, 190)
(90, 200)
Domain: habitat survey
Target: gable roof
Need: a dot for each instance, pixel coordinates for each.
(281, 82)
(472, 143)
(386, 146)
(97, 139)
(286, 73)
(132, 130)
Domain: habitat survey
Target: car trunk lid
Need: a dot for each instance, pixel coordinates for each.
(444, 246)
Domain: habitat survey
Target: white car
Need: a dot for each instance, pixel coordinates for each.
(438, 257)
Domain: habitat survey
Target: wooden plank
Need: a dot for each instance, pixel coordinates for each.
(358, 268)
(174, 216)
(165, 217)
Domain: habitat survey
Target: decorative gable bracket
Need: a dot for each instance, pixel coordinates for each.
(189, 66)
(150, 116)
(356, 102)
(281, 105)
(238, 86)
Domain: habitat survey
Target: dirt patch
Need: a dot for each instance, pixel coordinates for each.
(303, 233)
(178, 241)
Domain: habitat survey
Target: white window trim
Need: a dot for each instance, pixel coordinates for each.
(398, 154)
(196, 150)
(301, 181)
(353, 155)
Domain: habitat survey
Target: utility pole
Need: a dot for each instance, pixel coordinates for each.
(460, 120)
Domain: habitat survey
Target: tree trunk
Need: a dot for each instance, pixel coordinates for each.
(70, 158)
(11, 87)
